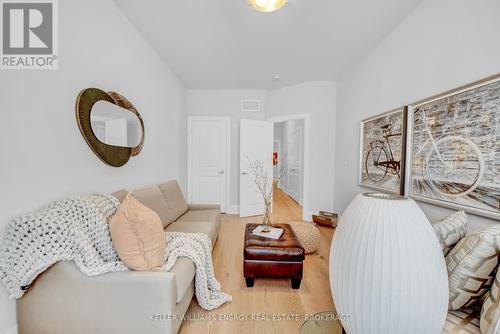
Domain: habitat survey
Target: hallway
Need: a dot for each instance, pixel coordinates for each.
(285, 209)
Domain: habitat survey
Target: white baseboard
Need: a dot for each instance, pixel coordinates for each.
(12, 330)
(233, 210)
(307, 214)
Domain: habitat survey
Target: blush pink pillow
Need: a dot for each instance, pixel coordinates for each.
(137, 235)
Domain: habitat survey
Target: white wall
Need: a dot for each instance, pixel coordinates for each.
(227, 102)
(43, 155)
(319, 100)
(441, 45)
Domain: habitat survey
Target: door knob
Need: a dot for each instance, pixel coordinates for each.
(244, 173)
(221, 172)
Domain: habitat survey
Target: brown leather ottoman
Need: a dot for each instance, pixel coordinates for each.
(270, 258)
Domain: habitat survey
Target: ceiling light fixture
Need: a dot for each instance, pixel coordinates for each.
(267, 6)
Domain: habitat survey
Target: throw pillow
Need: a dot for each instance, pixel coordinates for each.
(450, 230)
(471, 266)
(137, 235)
(490, 313)
(120, 194)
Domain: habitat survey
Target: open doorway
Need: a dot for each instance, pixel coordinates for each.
(289, 163)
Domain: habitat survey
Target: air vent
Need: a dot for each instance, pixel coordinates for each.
(250, 105)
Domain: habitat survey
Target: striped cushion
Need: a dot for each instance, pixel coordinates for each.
(471, 267)
(490, 314)
(450, 230)
(465, 321)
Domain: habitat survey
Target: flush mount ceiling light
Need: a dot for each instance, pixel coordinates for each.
(267, 6)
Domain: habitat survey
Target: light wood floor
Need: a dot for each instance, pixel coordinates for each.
(268, 297)
(285, 209)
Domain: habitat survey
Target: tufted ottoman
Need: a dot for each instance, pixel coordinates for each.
(265, 257)
(308, 234)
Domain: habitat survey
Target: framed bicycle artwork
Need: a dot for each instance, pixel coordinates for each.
(382, 151)
(455, 149)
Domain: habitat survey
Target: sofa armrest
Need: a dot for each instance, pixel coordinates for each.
(63, 300)
(204, 206)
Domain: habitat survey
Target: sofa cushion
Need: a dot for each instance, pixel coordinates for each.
(471, 266)
(152, 198)
(175, 199)
(137, 236)
(120, 194)
(490, 313)
(450, 230)
(198, 206)
(201, 216)
(463, 321)
(184, 271)
(193, 221)
(210, 228)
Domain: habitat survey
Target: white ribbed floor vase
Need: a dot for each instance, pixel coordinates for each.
(387, 270)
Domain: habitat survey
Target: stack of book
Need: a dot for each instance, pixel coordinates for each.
(275, 232)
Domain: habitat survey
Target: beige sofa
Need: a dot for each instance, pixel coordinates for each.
(63, 300)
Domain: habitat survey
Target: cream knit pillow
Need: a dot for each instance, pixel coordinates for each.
(138, 236)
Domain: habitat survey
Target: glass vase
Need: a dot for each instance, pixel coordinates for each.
(266, 221)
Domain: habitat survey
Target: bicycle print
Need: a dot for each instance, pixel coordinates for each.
(383, 151)
(455, 159)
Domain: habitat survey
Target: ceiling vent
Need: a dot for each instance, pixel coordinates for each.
(250, 105)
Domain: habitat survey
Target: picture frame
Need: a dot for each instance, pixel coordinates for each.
(382, 156)
(452, 149)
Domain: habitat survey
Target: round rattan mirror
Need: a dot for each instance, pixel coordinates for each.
(110, 124)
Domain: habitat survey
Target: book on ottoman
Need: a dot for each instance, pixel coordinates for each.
(275, 233)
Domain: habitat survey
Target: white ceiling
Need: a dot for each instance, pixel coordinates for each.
(227, 44)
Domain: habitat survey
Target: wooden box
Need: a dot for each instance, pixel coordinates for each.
(325, 218)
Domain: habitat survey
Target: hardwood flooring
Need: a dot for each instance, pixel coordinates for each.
(285, 209)
(271, 306)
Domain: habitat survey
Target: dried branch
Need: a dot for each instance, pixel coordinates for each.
(261, 179)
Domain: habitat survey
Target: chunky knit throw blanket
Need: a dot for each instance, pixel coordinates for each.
(76, 229)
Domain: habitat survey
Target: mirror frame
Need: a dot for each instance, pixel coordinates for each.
(115, 156)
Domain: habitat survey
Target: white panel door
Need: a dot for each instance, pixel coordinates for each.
(208, 159)
(294, 165)
(256, 144)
